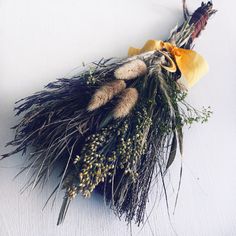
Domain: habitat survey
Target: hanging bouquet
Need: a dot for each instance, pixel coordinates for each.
(115, 127)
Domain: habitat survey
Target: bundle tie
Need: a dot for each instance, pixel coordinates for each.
(191, 64)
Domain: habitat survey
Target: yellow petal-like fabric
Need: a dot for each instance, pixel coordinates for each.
(192, 65)
(133, 51)
(150, 45)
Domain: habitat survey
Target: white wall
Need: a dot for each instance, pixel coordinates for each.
(44, 40)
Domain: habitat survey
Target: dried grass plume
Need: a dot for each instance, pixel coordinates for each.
(127, 101)
(131, 70)
(105, 93)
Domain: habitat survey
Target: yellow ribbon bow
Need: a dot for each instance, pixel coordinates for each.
(191, 65)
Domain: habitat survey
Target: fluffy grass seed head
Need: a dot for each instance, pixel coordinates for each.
(105, 93)
(126, 102)
(131, 70)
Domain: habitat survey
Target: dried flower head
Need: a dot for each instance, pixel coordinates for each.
(127, 101)
(105, 93)
(131, 70)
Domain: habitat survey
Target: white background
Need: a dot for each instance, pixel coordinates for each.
(46, 39)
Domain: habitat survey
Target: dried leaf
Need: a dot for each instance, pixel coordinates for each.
(172, 151)
(180, 139)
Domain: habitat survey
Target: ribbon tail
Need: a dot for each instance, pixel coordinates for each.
(191, 64)
(133, 51)
(150, 45)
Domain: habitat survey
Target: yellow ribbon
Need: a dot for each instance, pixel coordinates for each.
(191, 65)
